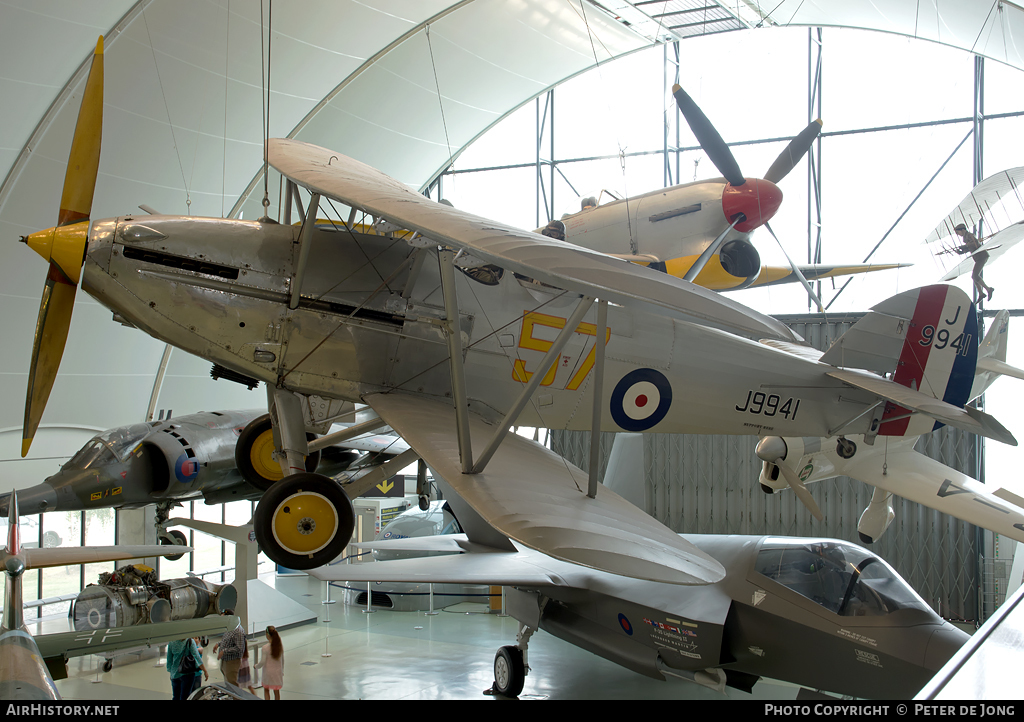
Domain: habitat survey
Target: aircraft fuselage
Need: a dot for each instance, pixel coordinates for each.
(365, 323)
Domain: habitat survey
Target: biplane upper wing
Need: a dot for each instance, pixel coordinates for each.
(553, 262)
(538, 499)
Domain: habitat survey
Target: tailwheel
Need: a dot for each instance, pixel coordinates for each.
(509, 671)
(254, 454)
(304, 521)
(174, 538)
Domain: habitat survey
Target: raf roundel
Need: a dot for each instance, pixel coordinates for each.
(641, 400)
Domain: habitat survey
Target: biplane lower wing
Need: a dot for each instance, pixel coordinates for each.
(538, 499)
(556, 263)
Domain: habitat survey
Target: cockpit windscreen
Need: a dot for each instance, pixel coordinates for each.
(843, 578)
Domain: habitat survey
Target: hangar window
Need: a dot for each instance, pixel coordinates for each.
(842, 578)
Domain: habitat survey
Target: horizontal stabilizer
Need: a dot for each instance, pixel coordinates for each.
(556, 263)
(535, 497)
(968, 419)
(40, 558)
(1000, 367)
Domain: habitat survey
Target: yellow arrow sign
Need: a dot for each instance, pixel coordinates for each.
(386, 486)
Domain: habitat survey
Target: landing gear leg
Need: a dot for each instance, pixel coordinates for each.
(304, 520)
(421, 485)
(510, 667)
(172, 537)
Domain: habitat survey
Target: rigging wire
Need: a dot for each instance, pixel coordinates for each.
(265, 93)
(167, 109)
(440, 104)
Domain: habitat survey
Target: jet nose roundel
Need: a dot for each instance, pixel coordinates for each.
(758, 200)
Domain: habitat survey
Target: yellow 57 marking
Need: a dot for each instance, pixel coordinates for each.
(527, 340)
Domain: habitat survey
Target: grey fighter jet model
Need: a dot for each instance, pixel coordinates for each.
(29, 665)
(389, 309)
(821, 613)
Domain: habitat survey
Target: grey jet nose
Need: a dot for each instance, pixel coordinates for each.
(33, 500)
(942, 645)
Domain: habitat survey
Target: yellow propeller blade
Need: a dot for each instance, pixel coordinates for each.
(51, 335)
(84, 161)
(64, 248)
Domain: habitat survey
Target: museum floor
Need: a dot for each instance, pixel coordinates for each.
(402, 655)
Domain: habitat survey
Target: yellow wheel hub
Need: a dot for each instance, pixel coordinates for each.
(262, 457)
(305, 523)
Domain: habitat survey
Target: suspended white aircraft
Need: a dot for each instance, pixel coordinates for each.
(996, 207)
(889, 463)
(552, 335)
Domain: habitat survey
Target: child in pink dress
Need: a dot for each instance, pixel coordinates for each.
(272, 664)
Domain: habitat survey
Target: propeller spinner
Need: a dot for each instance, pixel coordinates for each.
(64, 247)
(773, 449)
(750, 201)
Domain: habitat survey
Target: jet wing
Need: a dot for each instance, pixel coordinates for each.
(95, 641)
(968, 419)
(996, 245)
(536, 498)
(478, 565)
(919, 478)
(553, 262)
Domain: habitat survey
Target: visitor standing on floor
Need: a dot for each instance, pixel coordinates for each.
(230, 650)
(184, 664)
(272, 664)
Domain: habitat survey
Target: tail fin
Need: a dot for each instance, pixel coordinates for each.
(927, 339)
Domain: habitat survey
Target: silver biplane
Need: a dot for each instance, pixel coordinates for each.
(451, 328)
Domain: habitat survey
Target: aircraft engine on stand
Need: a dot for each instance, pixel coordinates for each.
(133, 595)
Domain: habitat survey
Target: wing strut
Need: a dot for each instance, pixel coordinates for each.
(454, 334)
(595, 418)
(305, 241)
(524, 396)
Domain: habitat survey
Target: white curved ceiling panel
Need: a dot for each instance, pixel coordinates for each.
(992, 28)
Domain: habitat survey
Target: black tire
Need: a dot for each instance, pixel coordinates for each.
(178, 538)
(253, 454)
(108, 665)
(290, 513)
(509, 671)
